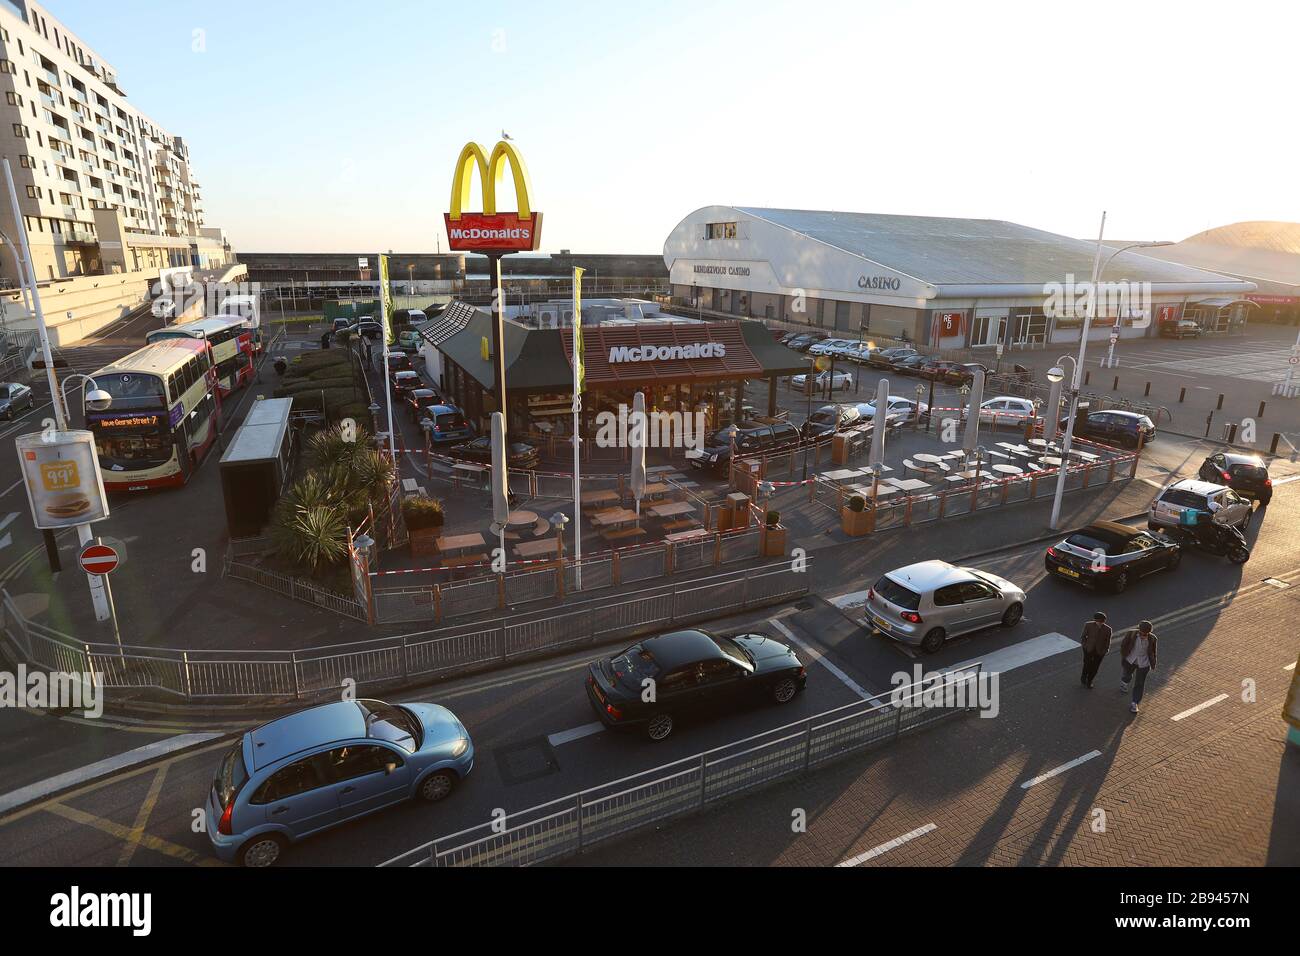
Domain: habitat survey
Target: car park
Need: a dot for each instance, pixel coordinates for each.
(1113, 427)
(326, 765)
(1178, 504)
(750, 438)
(903, 410)
(692, 672)
(1110, 555)
(519, 455)
(15, 397)
(830, 419)
(837, 381)
(403, 382)
(1245, 474)
(446, 424)
(926, 603)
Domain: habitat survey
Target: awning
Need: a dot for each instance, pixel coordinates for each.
(1222, 301)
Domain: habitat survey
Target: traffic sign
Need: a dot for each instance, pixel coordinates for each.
(98, 559)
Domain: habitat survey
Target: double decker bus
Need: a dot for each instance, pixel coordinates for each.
(231, 342)
(164, 416)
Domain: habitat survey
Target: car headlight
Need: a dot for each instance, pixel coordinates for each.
(711, 457)
(460, 747)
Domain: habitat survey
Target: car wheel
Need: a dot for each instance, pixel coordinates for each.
(1239, 555)
(784, 690)
(1264, 500)
(437, 786)
(1120, 584)
(932, 641)
(261, 851)
(660, 726)
(1175, 559)
(1012, 615)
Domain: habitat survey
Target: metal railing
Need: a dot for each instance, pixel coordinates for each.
(568, 826)
(319, 672)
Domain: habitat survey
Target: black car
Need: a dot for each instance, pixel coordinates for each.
(1110, 555)
(403, 383)
(418, 399)
(1247, 475)
(690, 672)
(885, 358)
(518, 454)
(802, 343)
(909, 364)
(1113, 427)
(949, 373)
(750, 438)
(368, 328)
(966, 375)
(830, 419)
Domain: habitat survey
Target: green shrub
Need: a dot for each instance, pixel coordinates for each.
(421, 513)
(773, 519)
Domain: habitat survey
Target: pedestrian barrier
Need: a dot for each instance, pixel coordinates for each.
(568, 826)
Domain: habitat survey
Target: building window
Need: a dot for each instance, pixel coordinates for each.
(720, 230)
(25, 162)
(33, 192)
(13, 99)
(20, 130)
(7, 66)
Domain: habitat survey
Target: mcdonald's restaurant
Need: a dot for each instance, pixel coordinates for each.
(937, 282)
(680, 364)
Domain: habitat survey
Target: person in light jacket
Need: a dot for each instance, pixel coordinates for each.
(1137, 653)
(1096, 644)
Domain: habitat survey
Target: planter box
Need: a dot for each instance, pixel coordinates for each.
(771, 542)
(857, 523)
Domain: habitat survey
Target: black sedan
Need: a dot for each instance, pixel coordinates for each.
(1247, 475)
(1111, 555)
(682, 674)
(885, 358)
(909, 365)
(1113, 427)
(518, 454)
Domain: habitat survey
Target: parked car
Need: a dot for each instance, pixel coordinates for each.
(1113, 427)
(949, 373)
(1194, 495)
(418, 399)
(967, 374)
(884, 358)
(368, 328)
(1005, 410)
(1110, 555)
(1247, 475)
(837, 381)
(908, 364)
(519, 455)
(409, 340)
(903, 409)
(446, 424)
(1180, 329)
(750, 438)
(692, 672)
(830, 419)
(802, 342)
(326, 765)
(401, 383)
(926, 603)
(823, 347)
(852, 352)
(14, 398)
(340, 324)
(398, 362)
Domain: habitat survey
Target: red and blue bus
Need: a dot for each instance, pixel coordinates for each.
(164, 416)
(231, 341)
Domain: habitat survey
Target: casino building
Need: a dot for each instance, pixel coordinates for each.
(944, 283)
(681, 364)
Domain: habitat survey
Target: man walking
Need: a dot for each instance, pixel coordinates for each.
(1096, 644)
(1138, 656)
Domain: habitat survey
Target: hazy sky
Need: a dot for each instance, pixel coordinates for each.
(330, 126)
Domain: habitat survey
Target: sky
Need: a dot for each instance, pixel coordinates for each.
(334, 127)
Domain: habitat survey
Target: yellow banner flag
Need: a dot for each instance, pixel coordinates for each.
(579, 370)
(385, 301)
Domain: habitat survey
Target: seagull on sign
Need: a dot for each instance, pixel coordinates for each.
(505, 135)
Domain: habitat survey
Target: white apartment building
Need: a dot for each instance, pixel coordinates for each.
(102, 187)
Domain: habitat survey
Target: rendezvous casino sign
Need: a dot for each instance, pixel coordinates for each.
(491, 230)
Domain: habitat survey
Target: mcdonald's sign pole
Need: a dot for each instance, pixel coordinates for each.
(491, 232)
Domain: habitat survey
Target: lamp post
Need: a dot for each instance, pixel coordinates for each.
(558, 522)
(1056, 375)
(920, 393)
(1114, 335)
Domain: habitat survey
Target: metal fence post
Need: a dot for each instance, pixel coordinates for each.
(297, 683)
(578, 809)
(185, 665)
(704, 768)
(807, 747)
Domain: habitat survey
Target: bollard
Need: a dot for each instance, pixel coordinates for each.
(1147, 391)
(1208, 419)
(1272, 448)
(1230, 432)
(1219, 407)
(1182, 393)
(1115, 386)
(1087, 376)
(1260, 413)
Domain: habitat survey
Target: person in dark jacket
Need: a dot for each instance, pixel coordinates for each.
(1137, 653)
(1096, 644)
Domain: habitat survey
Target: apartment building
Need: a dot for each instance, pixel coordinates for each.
(102, 187)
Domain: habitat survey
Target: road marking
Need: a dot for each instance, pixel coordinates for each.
(1286, 481)
(1061, 769)
(1200, 707)
(850, 600)
(1022, 654)
(577, 733)
(11, 488)
(8, 520)
(142, 817)
(886, 847)
(1289, 667)
(817, 658)
(114, 829)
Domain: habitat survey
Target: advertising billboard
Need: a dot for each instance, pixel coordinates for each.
(61, 473)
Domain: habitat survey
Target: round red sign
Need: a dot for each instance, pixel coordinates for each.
(98, 559)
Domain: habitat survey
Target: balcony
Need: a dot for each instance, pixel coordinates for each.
(49, 76)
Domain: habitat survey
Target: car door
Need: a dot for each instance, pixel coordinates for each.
(1143, 554)
(298, 798)
(981, 604)
(366, 777)
(718, 682)
(1213, 468)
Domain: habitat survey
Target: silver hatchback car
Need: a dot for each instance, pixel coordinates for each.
(924, 604)
(326, 765)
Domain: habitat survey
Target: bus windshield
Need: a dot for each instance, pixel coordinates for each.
(134, 447)
(132, 390)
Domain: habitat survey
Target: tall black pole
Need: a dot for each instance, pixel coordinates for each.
(498, 342)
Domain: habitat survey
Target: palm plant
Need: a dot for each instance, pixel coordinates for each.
(312, 536)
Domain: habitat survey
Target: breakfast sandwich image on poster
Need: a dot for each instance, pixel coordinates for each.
(64, 484)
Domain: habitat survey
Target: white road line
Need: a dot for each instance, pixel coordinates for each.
(886, 847)
(1200, 707)
(11, 488)
(1019, 655)
(1286, 481)
(1289, 667)
(817, 658)
(9, 518)
(1061, 769)
(577, 733)
(850, 600)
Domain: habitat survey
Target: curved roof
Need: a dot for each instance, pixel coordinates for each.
(1253, 234)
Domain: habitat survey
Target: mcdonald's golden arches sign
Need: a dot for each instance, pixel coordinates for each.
(491, 230)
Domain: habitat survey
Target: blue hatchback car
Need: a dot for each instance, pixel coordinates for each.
(446, 424)
(323, 766)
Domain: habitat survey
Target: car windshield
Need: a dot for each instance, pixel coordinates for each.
(895, 593)
(723, 437)
(734, 651)
(393, 724)
(231, 774)
(823, 418)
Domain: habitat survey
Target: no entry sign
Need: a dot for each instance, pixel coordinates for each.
(98, 559)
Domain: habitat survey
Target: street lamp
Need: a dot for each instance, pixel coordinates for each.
(920, 393)
(97, 400)
(558, 522)
(1114, 335)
